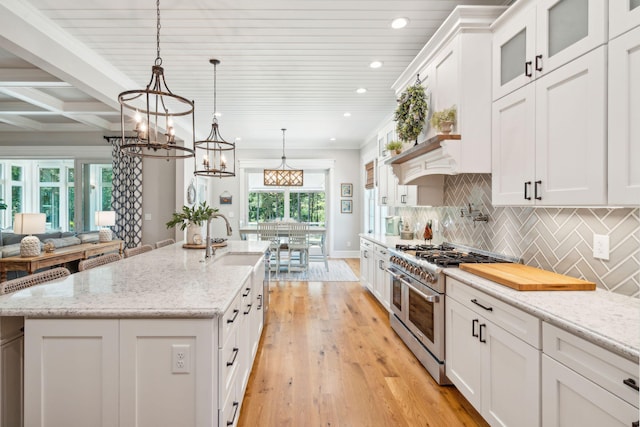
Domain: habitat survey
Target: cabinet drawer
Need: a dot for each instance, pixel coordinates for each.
(592, 361)
(230, 319)
(517, 322)
(229, 364)
(229, 412)
(381, 250)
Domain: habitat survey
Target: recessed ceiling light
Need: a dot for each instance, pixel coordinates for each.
(375, 64)
(361, 90)
(347, 114)
(238, 138)
(398, 23)
(332, 139)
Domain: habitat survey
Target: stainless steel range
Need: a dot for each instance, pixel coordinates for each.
(417, 297)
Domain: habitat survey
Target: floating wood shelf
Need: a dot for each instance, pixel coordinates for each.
(424, 147)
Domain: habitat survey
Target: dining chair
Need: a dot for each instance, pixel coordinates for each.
(298, 247)
(129, 252)
(165, 242)
(90, 263)
(317, 250)
(33, 279)
(268, 232)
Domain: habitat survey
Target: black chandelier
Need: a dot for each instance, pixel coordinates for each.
(215, 157)
(155, 108)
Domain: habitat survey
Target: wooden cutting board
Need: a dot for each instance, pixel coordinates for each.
(525, 278)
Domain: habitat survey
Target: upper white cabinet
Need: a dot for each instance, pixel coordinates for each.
(624, 111)
(623, 16)
(549, 116)
(549, 138)
(535, 37)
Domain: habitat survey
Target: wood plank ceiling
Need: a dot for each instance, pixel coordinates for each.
(284, 63)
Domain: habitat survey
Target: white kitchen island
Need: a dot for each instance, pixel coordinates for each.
(159, 339)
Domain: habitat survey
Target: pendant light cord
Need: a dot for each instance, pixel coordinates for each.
(215, 90)
(158, 59)
(284, 158)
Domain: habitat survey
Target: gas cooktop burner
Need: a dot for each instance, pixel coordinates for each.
(407, 248)
(452, 258)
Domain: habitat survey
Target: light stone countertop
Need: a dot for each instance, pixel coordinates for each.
(166, 282)
(601, 317)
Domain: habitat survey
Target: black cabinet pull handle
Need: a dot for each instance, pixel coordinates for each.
(535, 190)
(235, 414)
(473, 328)
(248, 309)
(246, 294)
(631, 383)
(527, 184)
(259, 305)
(235, 314)
(527, 69)
(235, 355)
(538, 62)
(482, 326)
(475, 301)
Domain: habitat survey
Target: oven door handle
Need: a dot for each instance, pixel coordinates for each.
(429, 298)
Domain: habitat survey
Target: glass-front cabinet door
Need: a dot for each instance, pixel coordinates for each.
(538, 37)
(568, 29)
(513, 47)
(623, 16)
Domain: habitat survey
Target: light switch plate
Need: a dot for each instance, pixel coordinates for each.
(601, 246)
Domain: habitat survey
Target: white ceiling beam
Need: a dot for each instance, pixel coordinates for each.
(35, 97)
(21, 122)
(90, 120)
(29, 77)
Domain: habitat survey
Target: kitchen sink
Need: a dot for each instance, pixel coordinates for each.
(237, 259)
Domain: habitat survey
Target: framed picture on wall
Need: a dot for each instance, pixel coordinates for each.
(346, 206)
(346, 190)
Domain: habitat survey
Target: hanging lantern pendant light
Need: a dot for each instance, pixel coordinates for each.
(155, 108)
(285, 176)
(215, 157)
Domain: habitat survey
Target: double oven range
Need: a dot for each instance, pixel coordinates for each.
(418, 297)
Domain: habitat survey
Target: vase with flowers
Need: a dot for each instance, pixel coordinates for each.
(444, 120)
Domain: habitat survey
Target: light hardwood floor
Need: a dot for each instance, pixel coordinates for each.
(328, 357)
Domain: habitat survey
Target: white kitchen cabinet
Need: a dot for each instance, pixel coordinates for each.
(490, 356)
(584, 384)
(624, 111)
(367, 264)
(79, 358)
(11, 371)
(535, 37)
(387, 185)
(382, 281)
(549, 138)
(624, 15)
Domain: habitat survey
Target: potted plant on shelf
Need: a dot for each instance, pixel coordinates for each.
(444, 120)
(394, 146)
(192, 218)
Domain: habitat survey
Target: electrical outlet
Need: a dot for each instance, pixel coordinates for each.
(601, 246)
(180, 358)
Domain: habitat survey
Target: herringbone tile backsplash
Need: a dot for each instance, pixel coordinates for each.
(555, 239)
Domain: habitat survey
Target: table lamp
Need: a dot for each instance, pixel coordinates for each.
(29, 223)
(106, 219)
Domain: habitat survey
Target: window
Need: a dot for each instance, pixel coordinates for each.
(49, 187)
(304, 204)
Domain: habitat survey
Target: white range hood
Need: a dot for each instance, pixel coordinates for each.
(441, 155)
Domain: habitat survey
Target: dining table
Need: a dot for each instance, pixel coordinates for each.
(283, 232)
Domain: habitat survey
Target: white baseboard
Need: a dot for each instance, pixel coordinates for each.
(345, 254)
